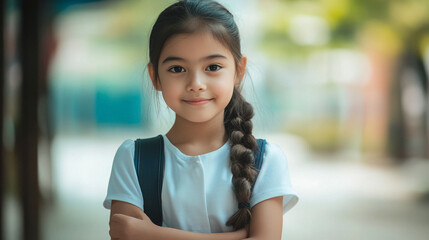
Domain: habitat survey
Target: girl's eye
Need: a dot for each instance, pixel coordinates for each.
(176, 69)
(213, 68)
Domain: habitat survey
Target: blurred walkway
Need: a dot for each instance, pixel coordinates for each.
(339, 199)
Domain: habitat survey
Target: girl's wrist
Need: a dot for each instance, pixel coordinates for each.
(241, 233)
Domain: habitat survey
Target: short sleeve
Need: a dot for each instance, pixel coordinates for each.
(273, 179)
(123, 182)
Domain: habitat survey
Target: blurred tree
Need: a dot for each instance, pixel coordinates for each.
(346, 19)
(387, 32)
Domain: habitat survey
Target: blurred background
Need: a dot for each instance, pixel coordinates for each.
(340, 85)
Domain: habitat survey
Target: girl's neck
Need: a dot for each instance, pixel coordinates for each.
(197, 138)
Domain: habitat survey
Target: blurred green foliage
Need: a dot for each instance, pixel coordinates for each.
(382, 27)
(346, 20)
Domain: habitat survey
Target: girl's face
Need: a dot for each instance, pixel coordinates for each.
(197, 75)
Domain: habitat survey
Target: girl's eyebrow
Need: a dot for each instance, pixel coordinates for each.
(174, 58)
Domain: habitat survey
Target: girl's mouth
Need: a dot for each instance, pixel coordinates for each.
(197, 101)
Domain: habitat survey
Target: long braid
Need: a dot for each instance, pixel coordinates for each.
(238, 125)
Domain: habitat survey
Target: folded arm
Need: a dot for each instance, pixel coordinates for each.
(128, 222)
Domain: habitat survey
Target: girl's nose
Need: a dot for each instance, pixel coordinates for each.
(196, 83)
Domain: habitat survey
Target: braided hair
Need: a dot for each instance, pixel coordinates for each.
(238, 126)
(189, 16)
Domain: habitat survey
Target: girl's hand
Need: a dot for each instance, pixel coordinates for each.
(243, 233)
(123, 227)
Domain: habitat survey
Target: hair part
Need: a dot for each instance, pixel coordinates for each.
(191, 16)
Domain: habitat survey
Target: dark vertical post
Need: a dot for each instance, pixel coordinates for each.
(2, 83)
(27, 135)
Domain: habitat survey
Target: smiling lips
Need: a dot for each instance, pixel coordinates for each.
(197, 101)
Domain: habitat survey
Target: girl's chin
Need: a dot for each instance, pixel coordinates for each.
(198, 118)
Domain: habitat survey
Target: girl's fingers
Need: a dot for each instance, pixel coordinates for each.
(116, 225)
(113, 235)
(122, 217)
(123, 225)
(117, 217)
(113, 232)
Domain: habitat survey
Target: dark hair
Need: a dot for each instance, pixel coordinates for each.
(189, 16)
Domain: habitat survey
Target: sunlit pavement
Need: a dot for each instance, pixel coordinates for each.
(339, 198)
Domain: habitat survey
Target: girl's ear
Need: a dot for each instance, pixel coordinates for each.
(241, 70)
(151, 71)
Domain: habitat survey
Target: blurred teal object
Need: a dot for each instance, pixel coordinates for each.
(77, 107)
(118, 108)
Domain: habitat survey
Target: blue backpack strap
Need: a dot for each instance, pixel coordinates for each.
(259, 154)
(149, 165)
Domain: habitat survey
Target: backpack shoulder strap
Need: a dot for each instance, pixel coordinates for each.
(259, 157)
(259, 154)
(149, 165)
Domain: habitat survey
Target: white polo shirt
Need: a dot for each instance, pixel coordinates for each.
(197, 193)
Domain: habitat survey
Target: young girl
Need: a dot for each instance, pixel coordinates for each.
(210, 188)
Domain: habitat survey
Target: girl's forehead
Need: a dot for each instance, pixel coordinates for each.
(194, 45)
